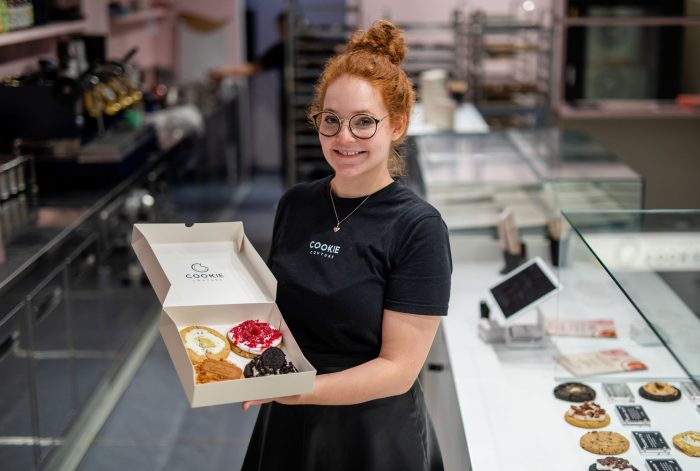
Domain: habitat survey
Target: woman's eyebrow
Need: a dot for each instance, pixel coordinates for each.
(353, 112)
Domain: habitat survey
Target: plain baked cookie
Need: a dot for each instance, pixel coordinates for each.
(688, 443)
(604, 443)
(202, 342)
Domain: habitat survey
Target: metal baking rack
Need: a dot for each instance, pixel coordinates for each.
(316, 32)
(509, 69)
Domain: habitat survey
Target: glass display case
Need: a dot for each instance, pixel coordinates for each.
(642, 269)
(470, 179)
(626, 324)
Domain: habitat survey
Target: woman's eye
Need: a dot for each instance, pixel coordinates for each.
(364, 122)
(330, 120)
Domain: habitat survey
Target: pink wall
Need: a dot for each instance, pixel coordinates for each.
(154, 38)
(221, 10)
(433, 10)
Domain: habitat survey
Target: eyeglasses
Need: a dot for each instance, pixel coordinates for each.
(362, 125)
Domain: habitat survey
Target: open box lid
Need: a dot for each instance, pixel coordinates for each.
(205, 264)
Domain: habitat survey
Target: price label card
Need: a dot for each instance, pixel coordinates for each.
(692, 390)
(650, 442)
(663, 465)
(632, 415)
(618, 392)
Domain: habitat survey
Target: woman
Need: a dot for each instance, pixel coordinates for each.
(363, 269)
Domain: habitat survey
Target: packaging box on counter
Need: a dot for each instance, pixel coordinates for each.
(210, 275)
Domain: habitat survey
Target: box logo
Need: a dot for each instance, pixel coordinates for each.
(202, 273)
(198, 267)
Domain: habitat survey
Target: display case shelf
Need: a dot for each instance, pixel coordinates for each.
(632, 21)
(136, 18)
(536, 173)
(42, 32)
(642, 109)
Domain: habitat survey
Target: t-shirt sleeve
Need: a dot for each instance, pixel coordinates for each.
(279, 212)
(419, 280)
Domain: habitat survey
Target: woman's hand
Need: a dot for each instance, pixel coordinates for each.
(288, 400)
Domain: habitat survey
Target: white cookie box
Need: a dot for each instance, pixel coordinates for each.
(210, 274)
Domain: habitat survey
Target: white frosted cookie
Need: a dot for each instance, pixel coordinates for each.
(688, 443)
(202, 343)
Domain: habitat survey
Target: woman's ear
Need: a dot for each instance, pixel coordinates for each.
(399, 127)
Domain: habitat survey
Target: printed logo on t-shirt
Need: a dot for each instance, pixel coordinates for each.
(321, 249)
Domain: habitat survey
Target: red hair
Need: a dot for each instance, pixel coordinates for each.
(375, 55)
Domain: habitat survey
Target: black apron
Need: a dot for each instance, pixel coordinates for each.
(393, 433)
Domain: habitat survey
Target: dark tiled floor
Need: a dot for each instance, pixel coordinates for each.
(152, 427)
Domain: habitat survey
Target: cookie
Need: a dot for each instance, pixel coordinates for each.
(660, 392)
(587, 415)
(688, 443)
(269, 364)
(604, 443)
(252, 337)
(216, 370)
(574, 392)
(273, 358)
(202, 342)
(612, 463)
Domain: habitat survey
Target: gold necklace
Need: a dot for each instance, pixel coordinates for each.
(336, 228)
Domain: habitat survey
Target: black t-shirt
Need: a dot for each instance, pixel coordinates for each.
(332, 287)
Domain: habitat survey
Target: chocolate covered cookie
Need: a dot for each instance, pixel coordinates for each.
(574, 392)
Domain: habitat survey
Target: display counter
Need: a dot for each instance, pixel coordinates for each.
(636, 271)
(536, 173)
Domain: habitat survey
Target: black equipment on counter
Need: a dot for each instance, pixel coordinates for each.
(35, 109)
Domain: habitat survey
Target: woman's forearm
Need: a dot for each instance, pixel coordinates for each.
(374, 379)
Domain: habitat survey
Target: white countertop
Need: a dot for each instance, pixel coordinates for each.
(511, 418)
(467, 120)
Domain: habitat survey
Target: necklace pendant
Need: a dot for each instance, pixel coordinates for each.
(336, 228)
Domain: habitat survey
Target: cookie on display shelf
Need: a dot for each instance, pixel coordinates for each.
(612, 463)
(604, 443)
(688, 443)
(574, 392)
(587, 415)
(660, 392)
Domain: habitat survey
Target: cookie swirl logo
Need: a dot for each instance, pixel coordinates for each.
(324, 250)
(201, 273)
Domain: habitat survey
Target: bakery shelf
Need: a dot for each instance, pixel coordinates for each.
(645, 109)
(42, 32)
(633, 21)
(136, 18)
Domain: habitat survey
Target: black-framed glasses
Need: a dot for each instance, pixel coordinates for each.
(361, 125)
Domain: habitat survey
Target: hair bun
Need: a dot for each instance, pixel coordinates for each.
(383, 38)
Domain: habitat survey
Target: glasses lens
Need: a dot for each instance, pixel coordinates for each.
(328, 124)
(363, 126)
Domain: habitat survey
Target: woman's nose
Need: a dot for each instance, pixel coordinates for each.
(345, 133)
